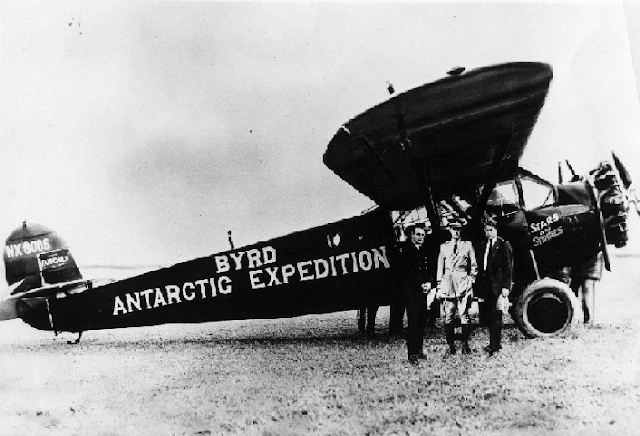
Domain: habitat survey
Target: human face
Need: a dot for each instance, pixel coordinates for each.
(490, 232)
(417, 237)
(455, 233)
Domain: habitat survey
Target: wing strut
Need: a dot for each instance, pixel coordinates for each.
(421, 171)
(496, 169)
(376, 154)
(432, 210)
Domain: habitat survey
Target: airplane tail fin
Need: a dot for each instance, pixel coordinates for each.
(35, 256)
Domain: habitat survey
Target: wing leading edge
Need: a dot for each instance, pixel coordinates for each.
(458, 132)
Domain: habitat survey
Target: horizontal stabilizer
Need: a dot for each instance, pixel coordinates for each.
(74, 286)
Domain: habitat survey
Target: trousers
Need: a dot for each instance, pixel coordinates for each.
(416, 312)
(459, 305)
(495, 322)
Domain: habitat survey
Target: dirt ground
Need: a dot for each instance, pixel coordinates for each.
(316, 375)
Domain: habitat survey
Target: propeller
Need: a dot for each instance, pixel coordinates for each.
(625, 179)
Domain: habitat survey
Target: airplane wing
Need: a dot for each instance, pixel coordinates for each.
(456, 132)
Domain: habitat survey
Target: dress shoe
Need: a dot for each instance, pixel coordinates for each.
(421, 356)
(466, 349)
(452, 349)
(413, 359)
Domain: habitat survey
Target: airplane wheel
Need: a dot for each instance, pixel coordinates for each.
(547, 308)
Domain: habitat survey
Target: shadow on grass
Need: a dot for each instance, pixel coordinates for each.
(245, 337)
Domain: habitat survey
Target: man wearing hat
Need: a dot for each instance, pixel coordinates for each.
(457, 270)
(415, 258)
(496, 269)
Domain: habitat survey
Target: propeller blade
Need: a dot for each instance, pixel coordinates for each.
(625, 177)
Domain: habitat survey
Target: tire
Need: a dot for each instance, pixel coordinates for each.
(547, 308)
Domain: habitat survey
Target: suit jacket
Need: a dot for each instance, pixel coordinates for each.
(498, 272)
(456, 271)
(416, 266)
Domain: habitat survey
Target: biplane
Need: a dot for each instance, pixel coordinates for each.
(448, 147)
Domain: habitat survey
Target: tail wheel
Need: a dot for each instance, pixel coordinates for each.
(547, 308)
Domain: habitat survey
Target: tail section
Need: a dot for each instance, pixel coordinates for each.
(35, 256)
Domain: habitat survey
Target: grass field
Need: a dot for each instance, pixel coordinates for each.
(316, 375)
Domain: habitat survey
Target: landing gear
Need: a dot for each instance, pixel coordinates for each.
(77, 339)
(547, 308)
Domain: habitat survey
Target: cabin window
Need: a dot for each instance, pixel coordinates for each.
(535, 193)
(403, 219)
(504, 198)
(453, 208)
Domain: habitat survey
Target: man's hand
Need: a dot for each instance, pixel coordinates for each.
(426, 286)
(505, 292)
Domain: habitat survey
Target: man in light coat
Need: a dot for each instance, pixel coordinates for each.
(457, 270)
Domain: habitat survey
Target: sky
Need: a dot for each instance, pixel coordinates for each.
(143, 131)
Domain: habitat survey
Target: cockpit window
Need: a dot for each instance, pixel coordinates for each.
(535, 193)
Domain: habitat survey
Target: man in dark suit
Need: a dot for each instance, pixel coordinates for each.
(416, 276)
(397, 309)
(496, 272)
